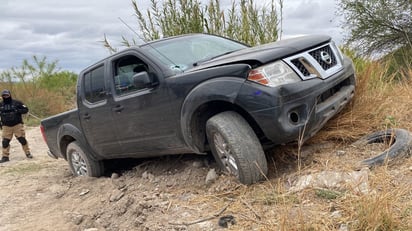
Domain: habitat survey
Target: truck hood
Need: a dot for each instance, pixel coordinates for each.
(267, 52)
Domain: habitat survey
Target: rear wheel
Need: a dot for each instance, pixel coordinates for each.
(80, 163)
(236, 148)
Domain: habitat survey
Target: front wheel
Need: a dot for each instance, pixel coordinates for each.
(236, 148)
(80, 163)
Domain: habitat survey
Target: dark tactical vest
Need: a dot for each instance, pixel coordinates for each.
(9, 114)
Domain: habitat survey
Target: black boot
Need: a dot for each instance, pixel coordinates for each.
(4, 159)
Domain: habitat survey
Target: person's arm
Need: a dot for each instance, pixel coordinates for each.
(21, 108)
(1, 111)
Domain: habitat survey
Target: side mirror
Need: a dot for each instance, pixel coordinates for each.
(142, 80)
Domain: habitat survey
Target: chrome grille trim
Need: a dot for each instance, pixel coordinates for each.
(310, 64)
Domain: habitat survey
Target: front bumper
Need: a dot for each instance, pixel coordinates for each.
(52, 155)
(297, 111)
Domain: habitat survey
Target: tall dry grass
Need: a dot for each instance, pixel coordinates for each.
(381, 101)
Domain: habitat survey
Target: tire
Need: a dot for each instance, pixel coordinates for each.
(400, 145)
(236, 148)
(80, 163)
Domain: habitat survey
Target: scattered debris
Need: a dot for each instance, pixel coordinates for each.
(84, 192)
(226, 221)
(203, 219)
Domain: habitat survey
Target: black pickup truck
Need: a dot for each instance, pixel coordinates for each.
(202, 93)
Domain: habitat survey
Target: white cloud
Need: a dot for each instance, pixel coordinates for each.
(72, 31)
(311, 17)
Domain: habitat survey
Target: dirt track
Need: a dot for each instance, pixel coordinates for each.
(41, 194)
(168, 193)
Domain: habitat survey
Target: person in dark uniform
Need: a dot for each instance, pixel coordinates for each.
(12, 124)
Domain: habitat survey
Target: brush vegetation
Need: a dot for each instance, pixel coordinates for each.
(243, 21)
(42, 86)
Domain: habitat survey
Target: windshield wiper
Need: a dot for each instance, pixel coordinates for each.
(210, 58)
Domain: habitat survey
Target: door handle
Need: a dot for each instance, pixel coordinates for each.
(118, 108)
(86, 116)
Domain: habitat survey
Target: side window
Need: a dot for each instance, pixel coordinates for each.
(94, 88)
(125, 69)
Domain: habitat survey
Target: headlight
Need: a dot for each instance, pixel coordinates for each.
(274, 74)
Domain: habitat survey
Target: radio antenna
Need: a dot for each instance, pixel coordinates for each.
(154, 48)
(130, 28)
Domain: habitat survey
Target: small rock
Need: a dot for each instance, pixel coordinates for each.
(84, 192)
(77, 218)
(144, 175)
(117, 195)
(103, 221)
(343, 227)
(139, 221)
(206, 162)
(226, 221)
(356, 180)
(115, 175)
(340, 153)
(169, 183)
(148, 176)
(336, 214)
(197, 164)
(91, 229)
(211, 176)
(119, 183)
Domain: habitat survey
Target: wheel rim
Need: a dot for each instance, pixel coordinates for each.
(225, 154)
(79, 164)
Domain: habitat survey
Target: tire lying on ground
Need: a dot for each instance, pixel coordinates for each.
(400, 141)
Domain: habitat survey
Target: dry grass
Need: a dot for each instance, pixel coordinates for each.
(379, 103)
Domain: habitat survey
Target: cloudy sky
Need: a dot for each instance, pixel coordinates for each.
(71, 31)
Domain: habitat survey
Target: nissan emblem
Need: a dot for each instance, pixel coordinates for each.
(325, 56)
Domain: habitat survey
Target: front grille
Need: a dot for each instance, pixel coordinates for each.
(324, 56)
(320, 62)
(301, 67)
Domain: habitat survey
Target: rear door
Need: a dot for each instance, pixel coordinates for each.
(95, 112)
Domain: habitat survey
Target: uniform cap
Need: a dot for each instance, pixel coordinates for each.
(5, 92)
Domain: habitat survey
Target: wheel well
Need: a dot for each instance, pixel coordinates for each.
(207, 110)
(64, 142)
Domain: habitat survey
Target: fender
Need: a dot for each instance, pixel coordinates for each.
(76, 134)
(218, 89)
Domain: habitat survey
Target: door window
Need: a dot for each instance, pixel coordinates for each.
(125, 68)
(94, 87)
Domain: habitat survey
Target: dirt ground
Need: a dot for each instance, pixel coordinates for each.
(168, 193)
